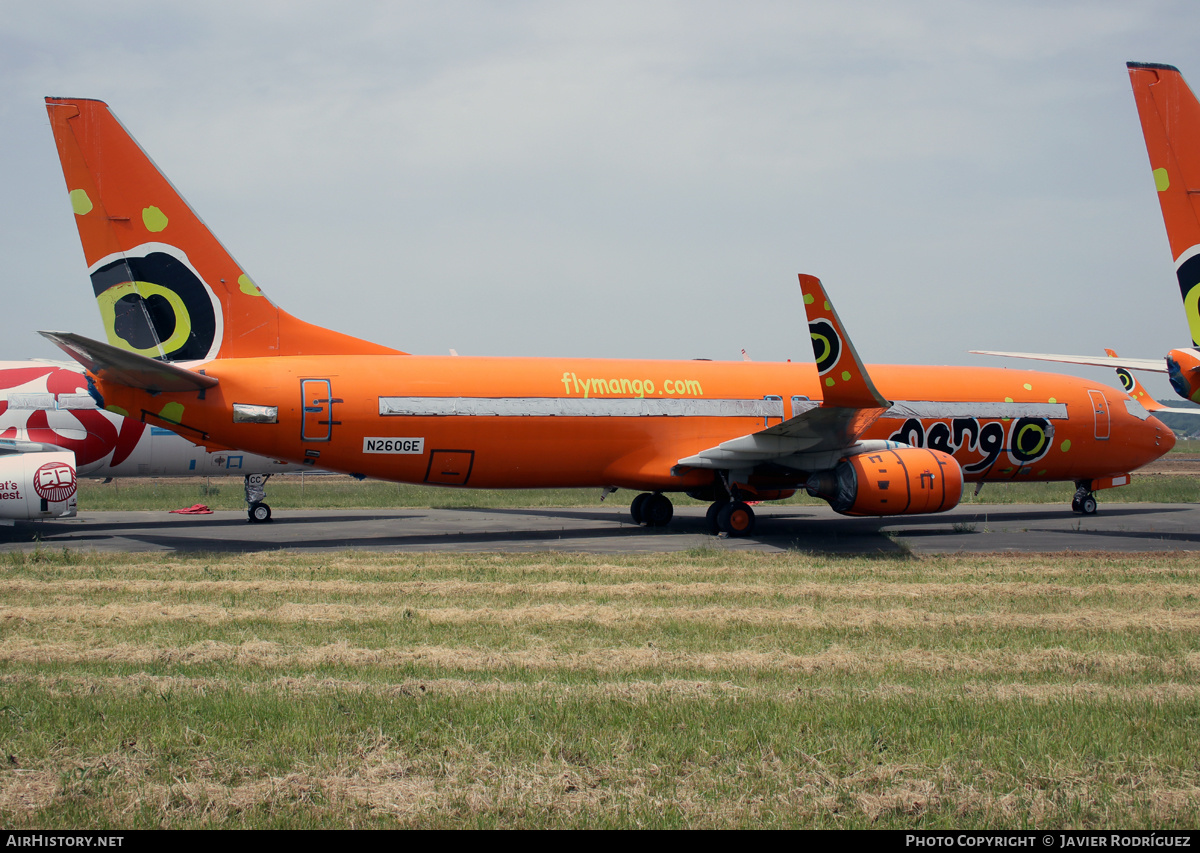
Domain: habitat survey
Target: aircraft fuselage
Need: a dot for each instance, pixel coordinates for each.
(562, 422)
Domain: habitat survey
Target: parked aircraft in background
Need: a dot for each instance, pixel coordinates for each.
(196, 347)
(1135, 390)
(1170, 117)
(52, 432)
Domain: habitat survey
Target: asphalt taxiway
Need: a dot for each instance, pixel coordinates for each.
(977, 529)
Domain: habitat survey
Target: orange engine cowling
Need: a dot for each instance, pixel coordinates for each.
(903, 481)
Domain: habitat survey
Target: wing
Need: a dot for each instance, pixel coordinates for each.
(819, 433)
(1154, 365)
(851, 402)
(128, 368)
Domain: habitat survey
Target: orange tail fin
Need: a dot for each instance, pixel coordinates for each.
(1170, 117)
(165, 286)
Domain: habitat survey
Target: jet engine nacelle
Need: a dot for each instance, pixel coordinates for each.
(37, 485)
(901, 481)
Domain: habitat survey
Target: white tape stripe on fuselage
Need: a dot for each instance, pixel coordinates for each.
(624, 407)
(577, 407)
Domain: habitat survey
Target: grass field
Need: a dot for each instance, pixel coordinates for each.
(710, 689)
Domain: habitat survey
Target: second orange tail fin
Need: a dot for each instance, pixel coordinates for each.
(1134, 388)
(165, 286)
(1170, 116)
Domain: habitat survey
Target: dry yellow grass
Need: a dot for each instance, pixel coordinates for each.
(703, 690)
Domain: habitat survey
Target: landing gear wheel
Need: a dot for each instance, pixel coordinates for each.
(1084, 501)
(637, 508)
(259, 513)
(657, 511)
(710, 518)
(736, 519)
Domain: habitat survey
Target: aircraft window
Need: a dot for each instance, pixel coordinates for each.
(244, 413)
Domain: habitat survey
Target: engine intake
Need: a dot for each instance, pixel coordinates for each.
(902, 481)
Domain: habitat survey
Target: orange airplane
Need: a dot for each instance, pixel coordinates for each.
(1135, 390)
(1170, 117)
(195, 346)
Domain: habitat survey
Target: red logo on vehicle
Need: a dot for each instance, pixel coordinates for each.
(54, 481)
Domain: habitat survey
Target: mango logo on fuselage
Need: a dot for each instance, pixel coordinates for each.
(1029, 439)
(155, 304)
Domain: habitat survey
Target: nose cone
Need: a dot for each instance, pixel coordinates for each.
(1137, 439)
(1152, 439)
(1166, 436)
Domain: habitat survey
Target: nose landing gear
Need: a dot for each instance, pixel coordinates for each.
(1084, 501)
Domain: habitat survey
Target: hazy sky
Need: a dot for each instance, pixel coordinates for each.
(626, 179)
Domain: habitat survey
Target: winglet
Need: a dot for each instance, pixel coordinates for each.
(844, 380)
(1170, 117)
(121, 367)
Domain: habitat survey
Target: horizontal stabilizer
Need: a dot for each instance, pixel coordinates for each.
(122, 367)
(1153, 365)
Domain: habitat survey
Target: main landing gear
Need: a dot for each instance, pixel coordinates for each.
(1084, 501)
(256, 490)
(731, 517)
(652, 510)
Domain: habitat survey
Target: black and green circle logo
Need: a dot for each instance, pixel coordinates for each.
(156, 305)
(1030, 439)
(827, 347)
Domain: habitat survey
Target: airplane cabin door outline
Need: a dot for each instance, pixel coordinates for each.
(774, 398)
(318, 400)
(1100, 409)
